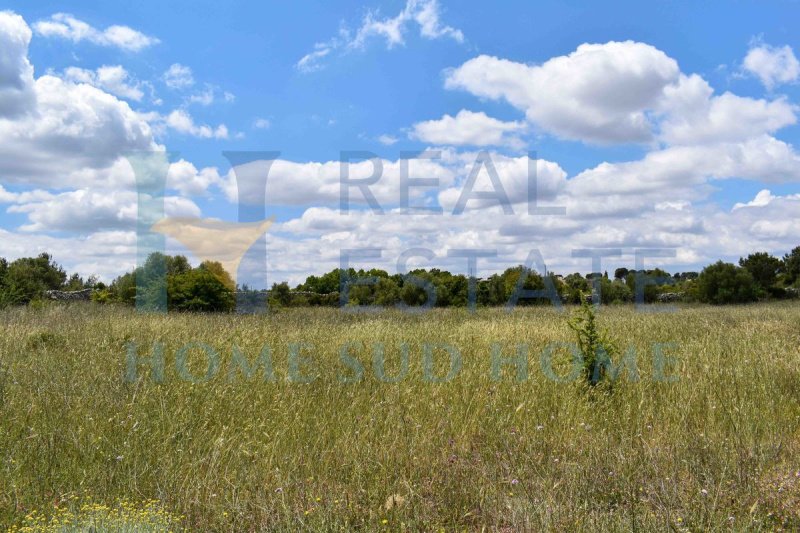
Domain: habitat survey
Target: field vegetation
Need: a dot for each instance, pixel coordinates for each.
(483, 430)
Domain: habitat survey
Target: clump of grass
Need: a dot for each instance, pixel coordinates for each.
(594, 344)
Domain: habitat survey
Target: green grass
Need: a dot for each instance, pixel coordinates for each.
(717, 450)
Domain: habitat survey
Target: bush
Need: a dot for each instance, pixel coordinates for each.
(199, 290)
(26, 279)
(725, 283)
(594, 344)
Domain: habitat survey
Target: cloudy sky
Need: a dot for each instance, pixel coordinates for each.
(667, 126)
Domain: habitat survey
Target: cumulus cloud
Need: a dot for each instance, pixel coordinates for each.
(104, 253)
(88, 211)
(694, 115)
(313, 182)
(66, 26)
(772, 65)
(468, 128)
(17, 95)
(61, 133)
(513, 174)
(599, 93)
(763, 199)
(424, 14)
(185, 178)
(114, 79)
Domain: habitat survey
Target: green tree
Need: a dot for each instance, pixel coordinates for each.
(199, 290)
(27, 278)
(387, 292)
(791, 266)
(280, 295)
(222, 275)
(123, 289)
(763, 267)
(74, 283)
(725, 283)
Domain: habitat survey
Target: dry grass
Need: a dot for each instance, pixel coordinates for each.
(716, 450)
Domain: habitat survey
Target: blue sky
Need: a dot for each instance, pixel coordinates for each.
(206, 77)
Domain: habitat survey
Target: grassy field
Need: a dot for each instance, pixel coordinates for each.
(718, 449)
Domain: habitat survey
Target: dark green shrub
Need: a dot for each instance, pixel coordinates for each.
(724, 283)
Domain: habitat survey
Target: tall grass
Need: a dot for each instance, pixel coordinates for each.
(716, 449)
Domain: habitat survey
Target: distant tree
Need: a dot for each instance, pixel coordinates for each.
(621, 273)
(725, 283)
(199, 290)
(27, 278)
(576, 286)
(123, 289)
(614, 292)
(387, 292)
(74, 283)
(280, 295)
(222, 275)
(763, 267)
(414, 293)
(325, 284)
(492, 291)
(178, 264)
(791, 266)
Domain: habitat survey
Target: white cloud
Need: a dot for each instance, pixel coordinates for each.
(182, 122)
(387, 140)
(599, 93)
(205, 98)
(178, 76)
(209, 95)
(694, 115)
(88, 211)
(185, 178)
(513, 174)
(772, 65)
(678, 170)
(17, 95)
(106, 253)
(312, 60)
(114, 79)
(261, 124)
(468, 128)
(315, 183)
(62, 134)
(65, 26)
(425, 14)
(764, 198)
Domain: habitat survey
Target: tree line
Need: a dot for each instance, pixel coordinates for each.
(209, 288)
